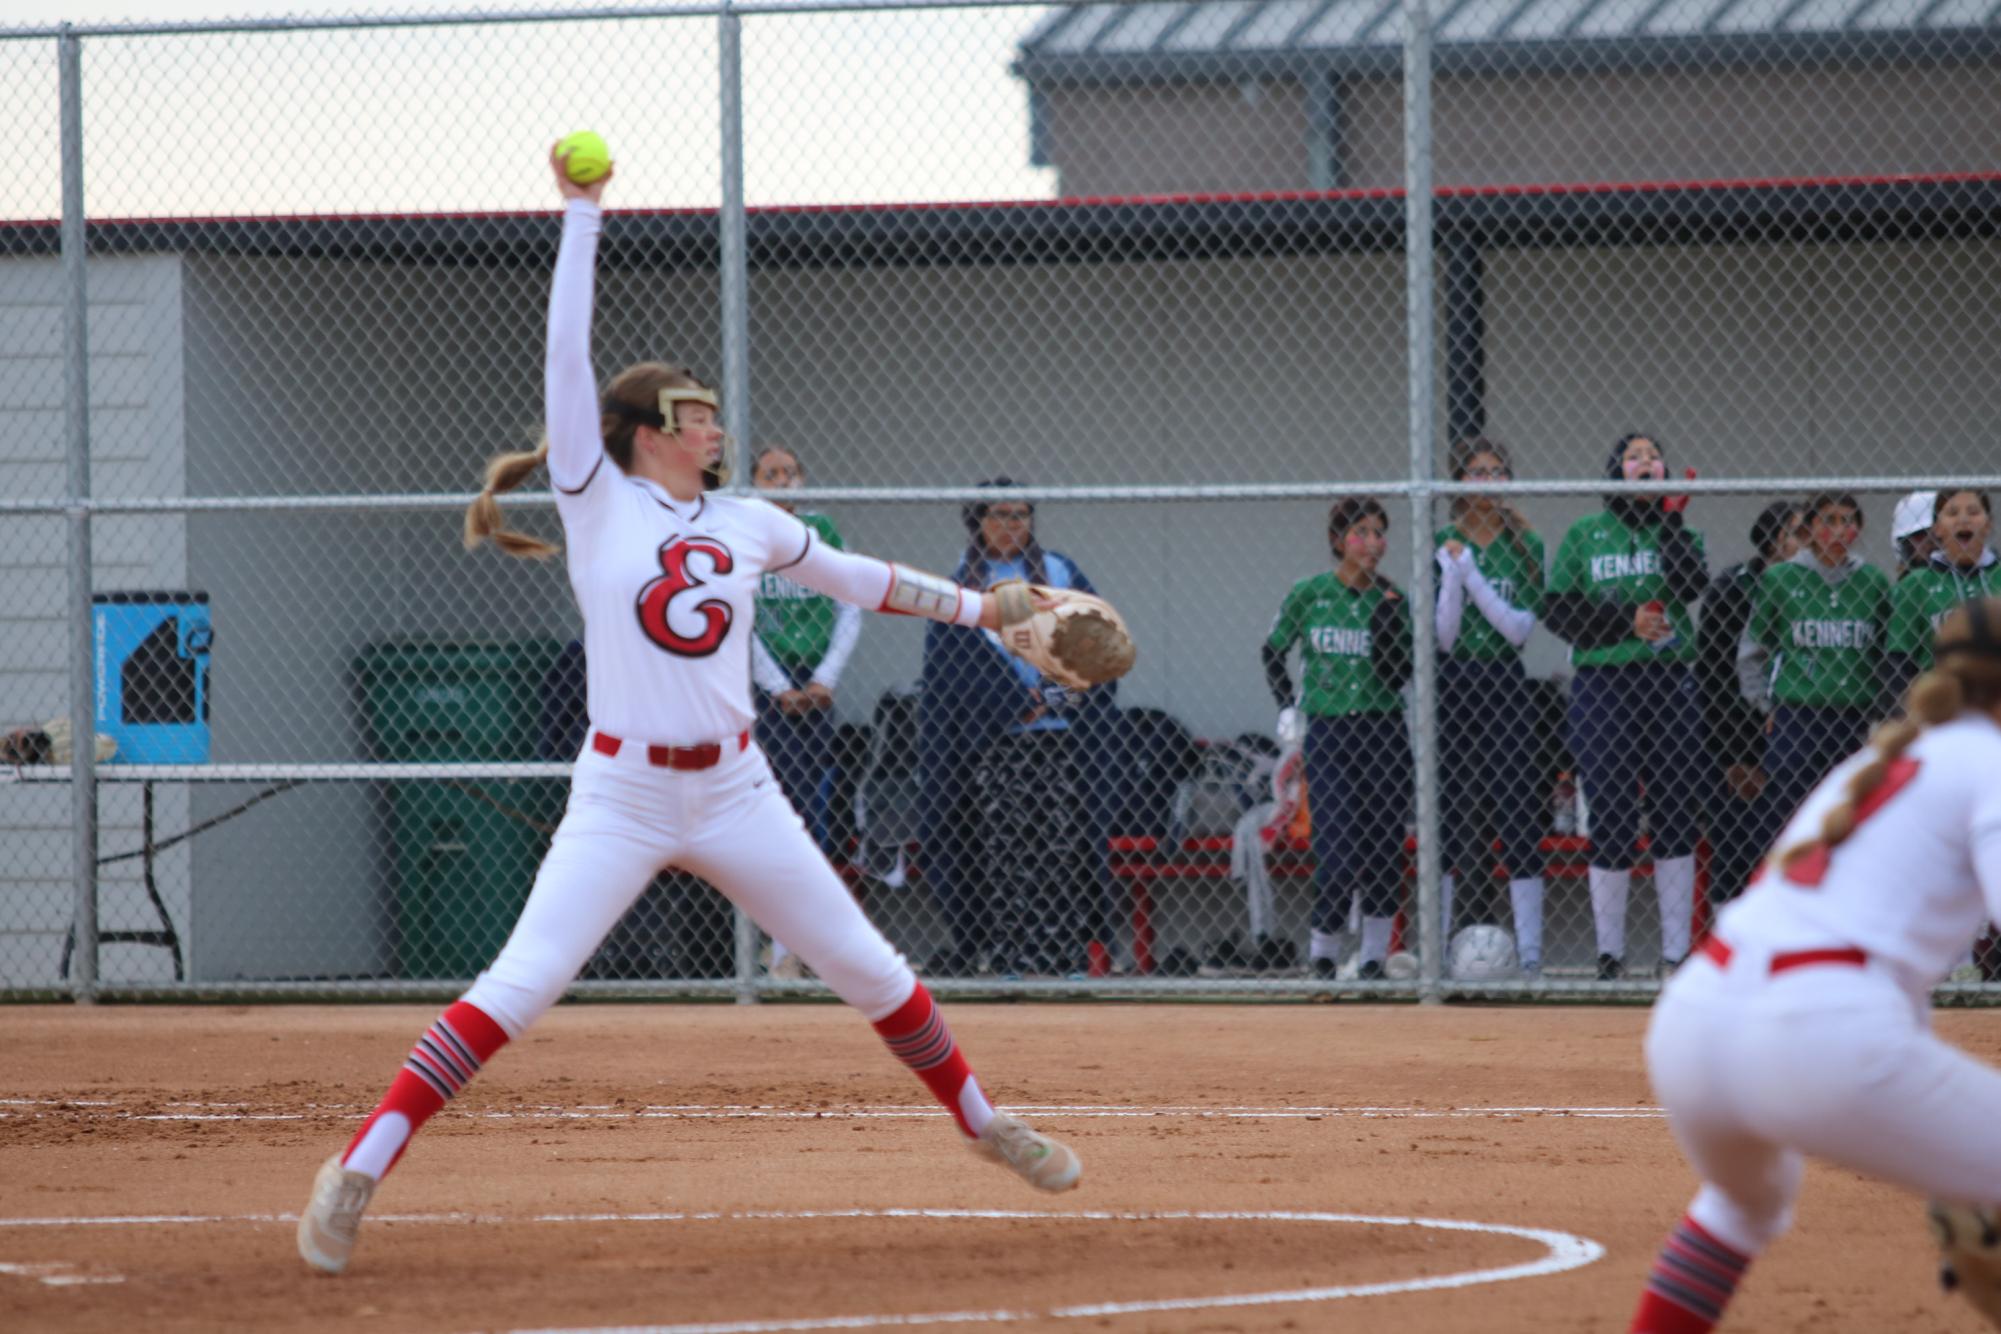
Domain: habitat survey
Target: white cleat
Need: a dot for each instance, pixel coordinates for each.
(333, 1216)
(1037, 1159)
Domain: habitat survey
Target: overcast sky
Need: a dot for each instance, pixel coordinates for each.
(839, 108)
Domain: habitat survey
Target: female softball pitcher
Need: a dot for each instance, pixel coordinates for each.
(665, 576)
(1803, 1026)
(1622, 590)
(1353, 632)
(1489, 556)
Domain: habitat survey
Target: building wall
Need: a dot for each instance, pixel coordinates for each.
(1534, 128)
(1221, 138)
(137, 449)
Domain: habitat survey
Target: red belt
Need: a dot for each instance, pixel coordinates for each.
(1849, 957)
(704, 756)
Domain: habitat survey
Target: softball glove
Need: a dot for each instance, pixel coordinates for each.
(1080, 642)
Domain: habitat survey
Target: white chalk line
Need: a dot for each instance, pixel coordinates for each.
(1564, 1251)
(30, 1109)
(58, 1274)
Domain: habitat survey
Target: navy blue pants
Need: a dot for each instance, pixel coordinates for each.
(801, 751)
(1488, 787)
(1634, 725)
(1736, 838)
(1359, 779)
(1804, 744)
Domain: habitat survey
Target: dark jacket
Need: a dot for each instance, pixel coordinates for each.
(969, 696)
(1735, 729)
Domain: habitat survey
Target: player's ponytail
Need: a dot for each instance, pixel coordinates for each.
(1968, 676)
(632, 395)
(504, 472)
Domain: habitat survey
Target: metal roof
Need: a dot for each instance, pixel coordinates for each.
(1172, 38)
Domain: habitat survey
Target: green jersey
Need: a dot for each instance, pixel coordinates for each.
(796, 624)
(1826, 637)
(1926, 594)
(1611, 562)
(1513, 565)
(1335, 627)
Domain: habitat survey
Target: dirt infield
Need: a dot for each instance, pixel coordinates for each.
(779, 1153)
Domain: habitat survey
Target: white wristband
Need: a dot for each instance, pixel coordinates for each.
(915, 593)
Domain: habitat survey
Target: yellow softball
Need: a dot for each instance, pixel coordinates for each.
(585, 156)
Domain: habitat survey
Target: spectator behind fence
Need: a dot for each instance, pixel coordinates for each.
(1733, 671)
(1911, 539)
(1015, 794)
(802, 644)
(1960, 568)
(1622, 590)
(1822, 616)
(1488, 556)
(1352, 627)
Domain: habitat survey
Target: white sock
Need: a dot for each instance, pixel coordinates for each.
(1526, 896)
(973, 1105)
(1376, 938)
(1608, 909)
(1674, 882)
(1446, 886)
(379, 1147)
(1325, 945)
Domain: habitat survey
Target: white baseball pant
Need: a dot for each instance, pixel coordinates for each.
(730, 824)
(1757, 1070)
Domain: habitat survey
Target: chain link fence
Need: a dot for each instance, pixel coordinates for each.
(1132, 295)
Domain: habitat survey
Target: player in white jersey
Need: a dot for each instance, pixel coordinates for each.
(665, 574)
(1801, 1027)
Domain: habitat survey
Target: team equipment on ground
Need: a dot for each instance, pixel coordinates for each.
(1482, 952)
(51, 743)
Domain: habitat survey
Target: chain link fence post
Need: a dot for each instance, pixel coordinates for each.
(735, 282)
(1418, 303)
(76, 421)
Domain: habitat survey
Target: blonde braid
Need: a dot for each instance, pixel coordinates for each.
(504, 472)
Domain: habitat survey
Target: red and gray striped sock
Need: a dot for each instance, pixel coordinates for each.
(917, 1035)
(449, 1054)
(1691, 1282)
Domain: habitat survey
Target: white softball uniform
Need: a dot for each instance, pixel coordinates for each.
(669, 775)
(1805, 1028)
